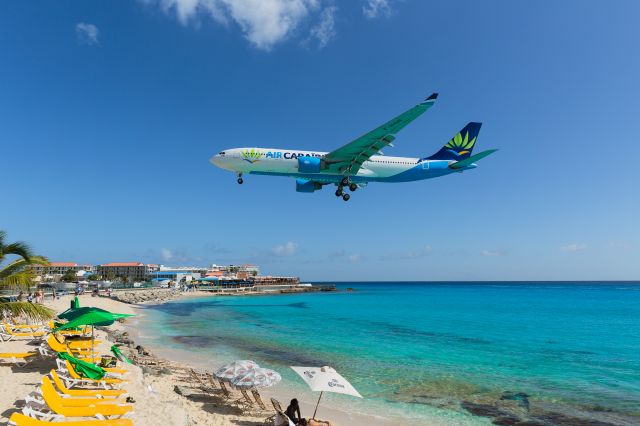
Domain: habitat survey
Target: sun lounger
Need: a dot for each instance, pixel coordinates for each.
(23, 327)
(56, 346)
(6, 334)
(91, 393)
(71, 401)
(55, 407)
(74, 378)
(17, 358)
(18, 419)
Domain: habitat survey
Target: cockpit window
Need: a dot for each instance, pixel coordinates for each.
(221, 153)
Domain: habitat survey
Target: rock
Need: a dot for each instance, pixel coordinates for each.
(520, 397)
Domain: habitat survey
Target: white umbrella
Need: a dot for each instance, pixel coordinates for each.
(257, 378)
(325, 379)
(235, 369)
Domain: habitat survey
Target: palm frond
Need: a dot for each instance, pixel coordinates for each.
(28, 310)
(18, 248)
(3, 235)
(19, 265)
(21, 279)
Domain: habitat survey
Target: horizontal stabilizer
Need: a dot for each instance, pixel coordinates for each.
(468, 161)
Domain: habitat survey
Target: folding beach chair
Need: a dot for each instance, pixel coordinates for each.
(258, 398)
(279, 418)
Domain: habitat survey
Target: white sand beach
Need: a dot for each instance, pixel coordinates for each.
(153, 387)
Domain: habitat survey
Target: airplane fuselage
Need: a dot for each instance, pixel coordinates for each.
(284, 162)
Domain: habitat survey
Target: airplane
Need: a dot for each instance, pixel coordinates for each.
(359, 162)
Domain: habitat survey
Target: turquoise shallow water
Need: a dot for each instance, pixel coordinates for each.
(427, 350)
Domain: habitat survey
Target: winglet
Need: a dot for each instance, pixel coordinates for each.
(432, 97)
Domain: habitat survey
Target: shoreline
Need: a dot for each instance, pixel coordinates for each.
(282, 392)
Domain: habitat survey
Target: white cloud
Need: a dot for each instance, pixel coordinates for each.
(263, 22)
(166, 254)
(87, 33)
(573, 247)
(374, 8)
(491, 253)
(325, 30)
(288, 249)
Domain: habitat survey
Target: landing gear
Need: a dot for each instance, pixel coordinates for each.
(346, 197)
(339, 192)
(240, 181)
(345, 181)
(353, 187)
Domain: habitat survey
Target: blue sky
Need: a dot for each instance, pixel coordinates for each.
(110, 111)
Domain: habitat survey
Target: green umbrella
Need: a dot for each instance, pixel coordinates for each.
(83, 368)
(93, 317)
(116, 351)
(70, 314)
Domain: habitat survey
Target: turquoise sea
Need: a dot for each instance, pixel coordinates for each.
(474, 353)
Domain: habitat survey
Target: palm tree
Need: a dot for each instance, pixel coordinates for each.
(15, 274)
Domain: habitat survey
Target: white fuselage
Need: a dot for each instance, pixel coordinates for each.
(284, 162)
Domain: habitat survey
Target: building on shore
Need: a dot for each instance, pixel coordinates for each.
(57, 269)
(133, 270)
(277, 280)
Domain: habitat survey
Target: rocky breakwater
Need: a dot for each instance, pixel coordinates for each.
(157, 295)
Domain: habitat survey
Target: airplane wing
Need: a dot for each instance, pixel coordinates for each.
(348, 159)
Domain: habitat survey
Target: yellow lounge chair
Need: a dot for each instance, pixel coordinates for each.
(18, 358)
(56, 346)
(58, 406)
(75, 401)
(6, 334)
(18, 419)
(51, 325)
(103, 382)
(92, 393)
(23, 327)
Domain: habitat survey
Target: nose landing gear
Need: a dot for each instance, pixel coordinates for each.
(240, 181)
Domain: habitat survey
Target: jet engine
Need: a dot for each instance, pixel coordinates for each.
(309, 164)
(306, 185)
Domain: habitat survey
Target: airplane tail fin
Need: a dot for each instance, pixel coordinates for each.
(460, 146)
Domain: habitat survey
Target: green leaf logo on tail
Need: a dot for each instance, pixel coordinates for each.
(460, 146)
(251, 155)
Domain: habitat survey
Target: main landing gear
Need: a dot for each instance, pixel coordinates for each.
(340, 192)
(240, 181)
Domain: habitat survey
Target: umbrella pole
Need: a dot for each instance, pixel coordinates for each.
(316, 410)
(93, 354)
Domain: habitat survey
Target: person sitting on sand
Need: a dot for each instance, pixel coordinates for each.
(293, 412)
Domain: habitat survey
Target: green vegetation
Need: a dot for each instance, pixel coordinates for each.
(17, 276)
(69, 277)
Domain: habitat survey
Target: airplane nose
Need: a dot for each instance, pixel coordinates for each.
(215, 159)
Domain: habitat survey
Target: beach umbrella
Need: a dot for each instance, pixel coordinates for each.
(257, 378)
(92, 317)
(325, 379)
(83, 368)
(116, 351)
(71, 314)
(235, 369)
